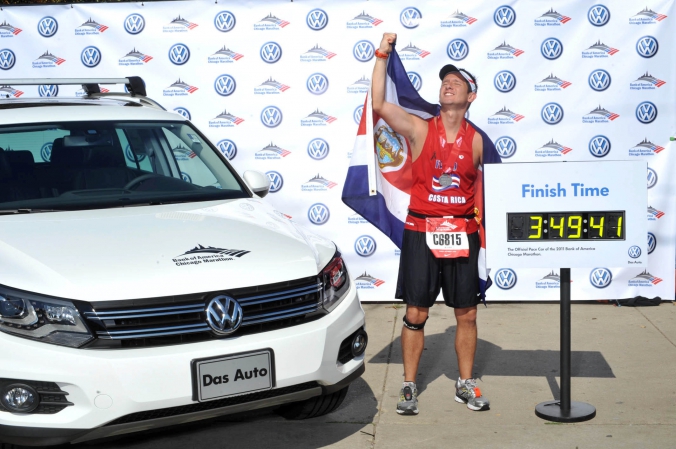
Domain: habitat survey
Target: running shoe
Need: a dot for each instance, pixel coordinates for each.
(408, 399)
(468, 393)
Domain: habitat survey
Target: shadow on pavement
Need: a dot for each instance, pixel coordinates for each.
(439, 359)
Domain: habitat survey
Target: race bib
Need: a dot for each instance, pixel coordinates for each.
(447, 237)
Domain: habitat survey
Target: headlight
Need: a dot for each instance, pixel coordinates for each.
(48, 320)
(335, 282)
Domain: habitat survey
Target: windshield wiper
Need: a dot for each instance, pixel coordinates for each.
(25, 211)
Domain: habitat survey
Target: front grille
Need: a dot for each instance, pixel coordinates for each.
(210, 405)
(182, 319)
(52, 398)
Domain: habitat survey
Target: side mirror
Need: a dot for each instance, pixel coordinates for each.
(257, 181)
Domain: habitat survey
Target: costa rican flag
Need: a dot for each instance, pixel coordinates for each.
(382, 195)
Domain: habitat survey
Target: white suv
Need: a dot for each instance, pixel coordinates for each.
(144, 283)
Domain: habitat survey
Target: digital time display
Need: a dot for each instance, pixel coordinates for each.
(597, 225)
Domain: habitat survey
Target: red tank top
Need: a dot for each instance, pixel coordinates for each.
(444, 175)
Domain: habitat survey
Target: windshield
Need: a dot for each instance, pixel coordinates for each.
(83, 165)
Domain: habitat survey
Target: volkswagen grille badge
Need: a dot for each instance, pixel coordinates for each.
(224, 315)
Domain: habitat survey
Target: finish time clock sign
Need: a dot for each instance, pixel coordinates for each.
(566, 214)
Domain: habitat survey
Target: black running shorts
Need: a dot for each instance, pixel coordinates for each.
(422, 276)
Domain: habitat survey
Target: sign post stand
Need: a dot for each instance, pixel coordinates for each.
(564, 410)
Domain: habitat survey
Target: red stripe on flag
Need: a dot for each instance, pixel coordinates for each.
(518, 52)
(518, 117)
(660, 214)
(424, 53)
(18, 93)
(661, 17)
(378, 282)
(237, 57)
(17, 30)
(564, 19)
(613, 116)
(471, 20)
(192, 89)
(613, 51)
(661, 83)
(103, 28)
(284, 87)
(565, 84)
(377, 22)
(238, 120)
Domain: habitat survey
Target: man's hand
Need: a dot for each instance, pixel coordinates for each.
(386, 43)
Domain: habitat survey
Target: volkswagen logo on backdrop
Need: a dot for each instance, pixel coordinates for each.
(457, 49)
(415, 79)
(599, 80)
(634, 252)
(599, 146)
(48, 26)
(276, 181)
(48, 90)
(552, 113)
(551, 48)
(505, 278)
(7, 59)
(652, 178)
(600, 277)
(356, 115)
(186, 177)
(506, 147)
(228, 148)
(317, 83)
(271, 116)
(224, 315)
(504, 16)
(318, 149)
(647, 46)
(410, 17)
(134, 23)
(652, 242)
(318, 214)
(363, 51)
(224, 21)
(317, 19)
(179, 54)
(504, 81)
(598, 15)
(646, 112)
(225, 85)
(90, 56)
(365, 246)
(271, 52)
(183, 111)
(46, 151)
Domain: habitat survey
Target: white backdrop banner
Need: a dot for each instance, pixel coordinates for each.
(279, 87)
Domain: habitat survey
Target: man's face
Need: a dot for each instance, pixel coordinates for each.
(455, 91)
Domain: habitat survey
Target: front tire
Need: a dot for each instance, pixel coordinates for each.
(313, 407)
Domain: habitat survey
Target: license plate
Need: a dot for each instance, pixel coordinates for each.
(232, 375)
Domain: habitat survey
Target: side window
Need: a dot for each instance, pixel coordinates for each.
(134, 158)
(189, 163)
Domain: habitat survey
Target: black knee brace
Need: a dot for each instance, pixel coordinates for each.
(415, 327)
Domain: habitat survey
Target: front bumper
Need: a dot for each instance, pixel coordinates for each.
(121, 391)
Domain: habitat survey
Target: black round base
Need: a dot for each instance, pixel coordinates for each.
(551, 411)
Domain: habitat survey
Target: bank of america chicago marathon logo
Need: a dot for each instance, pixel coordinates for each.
(551, 83)
(225, 120)
(270, 87)
(504, 117)
(179, 25)
(183, 154)
(224, 56)
(179, 88)
(271, 152)
(362, 21)
(646, 82)
(47, 60)
(367, 282)
(505, 278)
(317, 54)
(356, 219)
(207, 254)
(361, 86)
(317, 118)
(270, 23)
(317, 184)
(645, 148)
(505, 51)
(89, 28)
(9, 90)
(646, 17)
(551, 18)
(654, 214)
(134, 58)
(552, 149)
(599, 115)
(599, 50)
(412, 53)
(550, 280)
(7, 30)
(644, 279)
(457, 19)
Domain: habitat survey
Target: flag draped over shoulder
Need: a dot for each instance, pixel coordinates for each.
(379, 179)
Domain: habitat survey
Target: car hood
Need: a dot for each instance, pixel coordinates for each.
(151, 251)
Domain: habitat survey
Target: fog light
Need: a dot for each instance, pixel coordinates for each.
(19, 398)
(359, 342)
